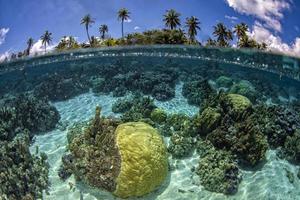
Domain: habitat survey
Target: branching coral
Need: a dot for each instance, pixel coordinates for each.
(22, 175)
(95, 153)
(26, 111)
(217, 170)
(232, 125)
(197, 92)
(291, 148)
(181, 145)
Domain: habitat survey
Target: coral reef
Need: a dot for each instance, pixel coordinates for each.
(22, 175)
(208, 120)
(237, 106)
(180, 144)
(141, 109)
(217, 170)
(144, 159)
(158, 115)
(197, 91)
(244, 88)
(291, 148)
(58, 88)
(161, 85)
(279, 123)
(94, 153)
(113, 156)
(26, 111)
(224, 81)
(237, 129)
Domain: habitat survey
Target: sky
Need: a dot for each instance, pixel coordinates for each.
(275, 22)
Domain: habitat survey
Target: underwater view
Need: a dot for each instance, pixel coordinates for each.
(153, 122)
(150, 100)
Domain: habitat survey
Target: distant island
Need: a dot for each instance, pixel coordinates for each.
(174, 33)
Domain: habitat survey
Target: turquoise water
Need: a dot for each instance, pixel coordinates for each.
(74, 83)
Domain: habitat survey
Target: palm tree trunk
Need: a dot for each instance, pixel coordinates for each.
(122, 28)
(45, 48)
(88, 35)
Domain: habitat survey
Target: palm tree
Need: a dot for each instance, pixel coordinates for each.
(223, 35)
(29, 46)
(103, 29)
(87, 21)
(123, 15)
(240, 30)
(210, 43)
(46, 39)
(192, 24)
(171, 19)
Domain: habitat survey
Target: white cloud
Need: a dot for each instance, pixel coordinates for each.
(38, 48)
(231, 17)
(136, 28)
(4, 55)
(275, 43)
(3, 33)
(270, 12)
(128, 20)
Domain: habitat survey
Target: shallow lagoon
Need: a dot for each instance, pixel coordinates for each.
(273, 77)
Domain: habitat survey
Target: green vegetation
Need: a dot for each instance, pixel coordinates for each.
(171, 19)
(103, 29)
(192, 24)
(87, 21)
(46, 39)
(29, 46)
(123, 15)
(174, 33)
(223, 35)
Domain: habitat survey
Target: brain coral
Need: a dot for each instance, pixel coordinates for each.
(143, 157)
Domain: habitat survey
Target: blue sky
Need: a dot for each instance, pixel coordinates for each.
(274, 20)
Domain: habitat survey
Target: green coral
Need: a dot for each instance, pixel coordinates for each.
(22, 175)
(158, 115)
(244, 88)
(141, 109)
(217, 170)
(224, 81)
(236, 105)
(291, 148)
(208, 120)
(94, 152)
(243, 139)
(178, 121)
(180, 145)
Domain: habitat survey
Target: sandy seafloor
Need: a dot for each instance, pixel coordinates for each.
(267, 183)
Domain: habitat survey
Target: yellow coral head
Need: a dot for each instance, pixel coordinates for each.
(144, 164)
